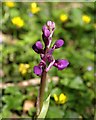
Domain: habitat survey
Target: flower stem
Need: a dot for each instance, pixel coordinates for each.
(41, 89)
(41, 92)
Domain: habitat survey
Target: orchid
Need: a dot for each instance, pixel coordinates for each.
(47, 59)
(46, 55)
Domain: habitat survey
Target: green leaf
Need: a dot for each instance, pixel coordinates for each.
(77, 83)
(44, 108)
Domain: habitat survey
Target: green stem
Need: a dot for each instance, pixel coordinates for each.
(42, 89)
(41, 92)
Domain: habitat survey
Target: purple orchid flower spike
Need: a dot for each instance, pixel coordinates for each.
(47, 59)
(48, 30)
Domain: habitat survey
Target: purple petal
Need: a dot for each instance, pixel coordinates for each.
(44, 28)
(61, 64)
(58, 43)
(46, 33)
(37, 70)
(38, 47)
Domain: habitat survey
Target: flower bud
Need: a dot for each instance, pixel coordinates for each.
(51, 25)
(38, 47)
(46, 32)
(58, 43)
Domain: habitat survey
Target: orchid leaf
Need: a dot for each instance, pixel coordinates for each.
(44, 108)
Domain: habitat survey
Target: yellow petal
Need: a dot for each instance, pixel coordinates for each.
(10, 4)
(86, 19)
(24, 71)
(18, 21)
(35, 10)
(62, 98)
(55, 97)
(34, 5)
(27, 66)
(21, 67)
(63, 17)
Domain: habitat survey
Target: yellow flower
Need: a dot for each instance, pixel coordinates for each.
(23, 68)
(86, 19)
(18, 21)
(63, 17)
(10, 4)
(61, 99)
(34, 8)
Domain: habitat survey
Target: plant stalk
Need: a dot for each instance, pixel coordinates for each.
(41, 92)
(41, 89)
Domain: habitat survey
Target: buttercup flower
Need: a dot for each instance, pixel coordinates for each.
(86, 19)
(63, 17)
(46, 55)
(23, 68)
(34, 8)
(18, 21)
(61, 99)
(10, 4)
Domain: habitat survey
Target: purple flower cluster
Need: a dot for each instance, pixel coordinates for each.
(46, 53)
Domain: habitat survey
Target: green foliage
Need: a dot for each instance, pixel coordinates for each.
(76, 82)
(44, 108)
(16, 97)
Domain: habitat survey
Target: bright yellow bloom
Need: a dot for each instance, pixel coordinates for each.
(86, 19)
(63, 17)
(10, 4)
(34, 5)
(18, 21)
(61, 99)
(23, 68)
(34, 8)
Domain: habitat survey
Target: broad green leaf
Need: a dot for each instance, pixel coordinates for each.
(44, 108)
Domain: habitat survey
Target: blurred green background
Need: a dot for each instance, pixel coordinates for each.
(21, 27)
